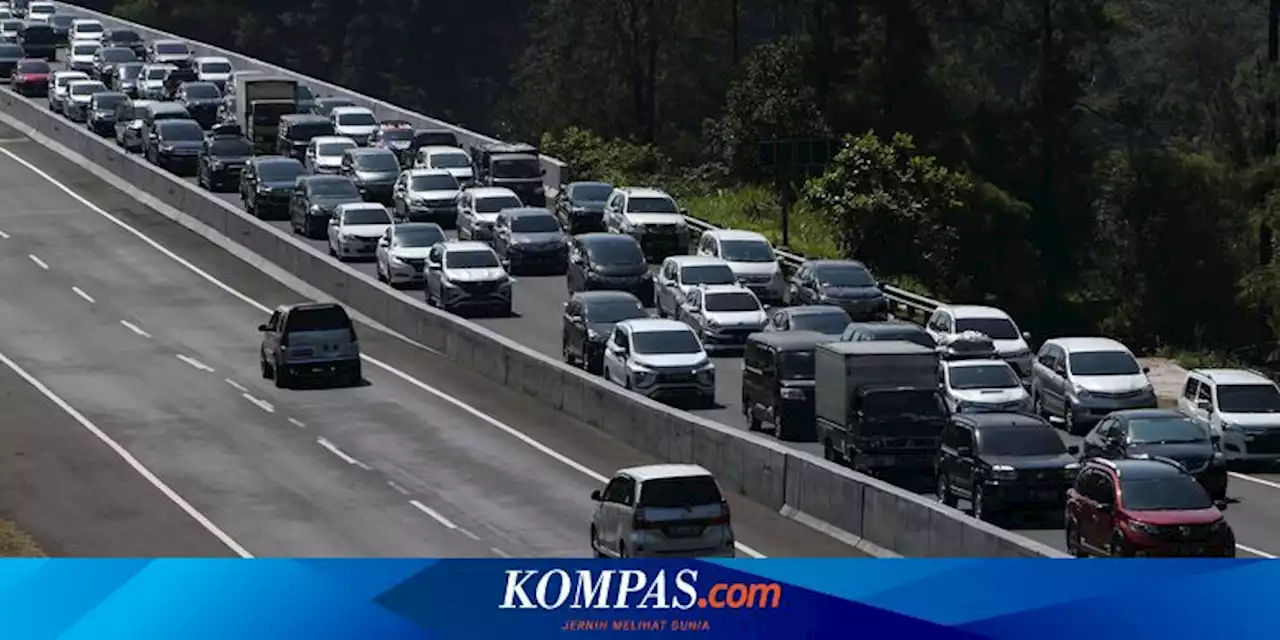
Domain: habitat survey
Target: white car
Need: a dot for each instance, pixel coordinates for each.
(174, 52)
(85, 29)
(681, 275)
(451, 159)
(82, 53)
(464, 275)
(402, 252)
(59, 81)
(651, 217)
(661, 511)
(660, 359)
(10, 28)
(215, 69)
(151, 80)
(752, 259)
(948, 321)
(41, 11)
(1241, 409)
(355, 228)
(723, 315)
(324, 154)
(983, 385)
(426, 195)
(76, 106)
(357, 123)
(478, 209)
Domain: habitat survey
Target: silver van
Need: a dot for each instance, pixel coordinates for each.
(310, 341)
(661, 510)
(1081, 380)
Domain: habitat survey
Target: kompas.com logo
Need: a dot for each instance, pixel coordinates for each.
(614, 589)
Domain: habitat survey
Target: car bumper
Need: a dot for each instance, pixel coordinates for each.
(676, 391)
(446, 216)
(727, 338)
(320, 369)
(178, 162)
(75, 112)
(863, 310)
(379, 192)
(660, 246)
(103, 127)
(229, 175)
(399, 272)
(585, 223)
(657, 545)
(1044, 492)
(1092, 410)
(357, 248)
(550, 258)
(633, 284)
(1251, 446)
(457, 297)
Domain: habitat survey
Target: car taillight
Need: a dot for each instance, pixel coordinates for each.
(723, 518)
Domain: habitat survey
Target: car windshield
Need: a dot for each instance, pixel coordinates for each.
(377, 162)
(1248, 398)
(42, 9)
(1102, 363)
(181, 132)
(67, 79)
(829, 322)
(108, 100)
(679, 493)
(157, 73)
(118, 55)
(844, 275)
(88, 27)
(87, 89)
(357, 119)
(230, 147)
(652, 205)
(279, 171)
(215, 67)
(1167, 493)
(796, 365)
(334, 148)
(535, 224)
(728, 302)
(470, 260)
(619, 252)
(895, 404)
(33, 66)
(366, 216)
(84, 49)
(913, 335)
(996, 375)
(1165, 430)
(1020, 441)
(202, 91)
(708, 274)
(335, 188)
(590, 192)
(994, 328)
(746, 251)
(397, 134)
(123, 35)
(449, 161)
(419, 237)
(11, 51)
(11, 26)
(171, 48)
(442, 182)
(610, 311)
(516, 168)
(129, 71)
(665, 342)
(302, 93)
(497, 203)
(318, 319)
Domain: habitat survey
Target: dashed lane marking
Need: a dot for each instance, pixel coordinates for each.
(80, 292)
(39, 263)
(194, 363)
(435, 515)
(235, 385)
(135, 328)
(3, 235)
(499, 552)
(398, 489)
(259, 402)
(343, 455)
(297, 423)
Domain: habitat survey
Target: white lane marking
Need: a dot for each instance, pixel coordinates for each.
(135, 328)
(80, 292)
(435, 515)
(1265, 483)
(343, 455)
(469, 534)
(129, 459)
(211, 279)
(235, 385)
(297, 423)
(499, 552)
(39, 263)
(261, 404)
(398, 489)
(1260, 554)
(194, 363)
(4, 236)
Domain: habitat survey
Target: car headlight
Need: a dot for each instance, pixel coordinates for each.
(1218, 526)
(1227, 426)
(1218, 458)
(262, 188)
(505, 283)
(216, 165)
(1079, 392)
(711, 323)
(1071, 470)
(346, 237)
(1144, 527)
(166, 148)
(1004, 472)
(592, 334)
(396, 260)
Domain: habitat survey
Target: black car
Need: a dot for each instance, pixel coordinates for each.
(125, 79)
(202, 100)
(40, 41)
(1161, 432)
(845, 283)
(295, 131)
(580, 206)
(106, 59)
(1000, 462)
(60, 24)
(826, 319)
(175, 78)
(10, 54)
(266, 184)
(222, 158)
(430, 138)
(530, 238)
(589, 318)
(127, 38)
(374, 172)
(176, 145)
(608, 261)
(778, 382)
(893, 330)
(314, 200)
(102, 112)
(324, 105)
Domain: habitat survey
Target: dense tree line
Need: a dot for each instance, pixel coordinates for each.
(1087, 164)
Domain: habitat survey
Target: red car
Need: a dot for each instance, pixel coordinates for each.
(1144, 507)
(31, 77)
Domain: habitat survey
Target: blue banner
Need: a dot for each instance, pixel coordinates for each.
(529, 599)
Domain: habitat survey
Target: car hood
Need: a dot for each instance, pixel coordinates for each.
(397, 144)
(76, 58)
(852, 293)
(621, 270)
(333, 201)
(215, 77)
(1113, 384)
(460, 173)
(1178, 517)
(435, 195)
(1192, 456)
(600, 331)
(732, 319)
(1052, 461)
(367, 231)
(203, 102)
(279, 185)
(538, 238)
(234, 160)
(411, 253)
(989, 396)
(655, 218)
(377, 176)
(485, 274)
(81, 99)
(670, 360)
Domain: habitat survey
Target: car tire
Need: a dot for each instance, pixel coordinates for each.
(978, 504)
(355, 376)
(506, 311)
(943, 491)
(283, 377)
(1037, 405)
(782, 429)
(266, 369)
(1119, 547)
(595, 549)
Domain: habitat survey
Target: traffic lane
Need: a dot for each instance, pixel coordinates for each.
(75, 495)
(552, 431)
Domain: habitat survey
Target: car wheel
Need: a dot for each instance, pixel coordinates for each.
(266, 369)
(943, 491)
(506, 310)
(283, 377)
(753, 423)
(595, 549)
(1119, 547)
(1074, 548)
(781, 427)
(622, 550)
(979, 504)
(355, 375)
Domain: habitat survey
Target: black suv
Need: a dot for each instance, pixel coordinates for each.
(314, 200)
(844, 283)
(778, 382)
(127, 38)
(222, 158)
(530, 238)
(1004, 461)
(580, 206)
(176, 145)
(202, 100)
(515, 166)
(1161, 432)
(589, 318)
(296, 131)
(608, 261)
(102, 112)
(266, 184)
(106, 60)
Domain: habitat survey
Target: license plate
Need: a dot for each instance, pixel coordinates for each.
(680, 378)
(685, 531)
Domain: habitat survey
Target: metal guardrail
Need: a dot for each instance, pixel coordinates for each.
(903, 304)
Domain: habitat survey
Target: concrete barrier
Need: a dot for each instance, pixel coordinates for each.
(862, 508)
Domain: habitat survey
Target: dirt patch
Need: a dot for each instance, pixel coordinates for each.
(15, 543)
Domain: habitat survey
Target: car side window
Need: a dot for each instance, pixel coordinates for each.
(1106, 488)
(613, 491)
(1191, 389)
(626, 491)
(274, 322)
(1205, 394)
(1046, 356)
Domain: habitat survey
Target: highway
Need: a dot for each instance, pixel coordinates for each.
(148, 332)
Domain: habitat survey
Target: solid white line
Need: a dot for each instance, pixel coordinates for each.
(135, 328)
(1265, 483)
(4, 236)
(398, 489)
(435, 515)
(235, 385)
(80, 292)
(347, 458)
(469, 534)
(509, 430)
(262, 404)
(194, 363)
(500, 552)
(129, 459)
(1261, 554)
(297, 423)
(40, 263)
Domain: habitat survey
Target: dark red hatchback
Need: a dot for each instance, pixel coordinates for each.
(1144, 507)
(30, 77)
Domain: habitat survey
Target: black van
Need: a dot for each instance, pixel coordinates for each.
(40, 41)
(297, 130)
(777, 382)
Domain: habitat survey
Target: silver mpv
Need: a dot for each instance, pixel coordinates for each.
(661, 511)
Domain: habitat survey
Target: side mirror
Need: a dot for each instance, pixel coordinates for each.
(263, 327)
(544, 172)
(1026, 336)
(684, 211)
(333, 222)
(1074, 449)
(1220, 504)
(434, 266)
(382, 242)
(964, 452)
(595, 495)
(1146, 370)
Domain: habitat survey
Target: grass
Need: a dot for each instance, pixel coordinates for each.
(1197, 359)
(756, 209)
(16, 543)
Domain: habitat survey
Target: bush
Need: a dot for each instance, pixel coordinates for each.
(755, 208)
(591, 157)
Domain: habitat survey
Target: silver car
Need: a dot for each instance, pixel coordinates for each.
(1239, 408)
(59, 81)
(680, 275)
(355, 228)
(661, 510)
(426, 195)
(467, 275)
(723, 315)
(983, 385)
(402, 252)
(1081, 380)
(478, 210)
(660, 359)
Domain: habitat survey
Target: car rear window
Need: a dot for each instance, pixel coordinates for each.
(318, 319)
(672, 493)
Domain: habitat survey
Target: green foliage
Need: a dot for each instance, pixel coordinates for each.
(592, 157)
(755, 208)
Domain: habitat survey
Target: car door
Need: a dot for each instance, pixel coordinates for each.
(1203, 406)
(691, 310)
(754, 356)
(662, 290)
(433, 269)
(398, 193)
(965, 450)
(1100, 441)
(613, 213)
(1187, 399)
(464, 211)
(795, 286)
(1089, 491)
(1056, 380)
(605, 527)
(336, 223)
(271, 337)
(615, 355)
(945, 465)
(298, 205)
(574, 329)
(502, 236)
(382, 252)
(1104, 520)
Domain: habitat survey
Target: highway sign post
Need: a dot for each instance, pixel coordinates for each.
(790, 162)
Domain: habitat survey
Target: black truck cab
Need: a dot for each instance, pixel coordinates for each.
(515, 166)
(778, 382)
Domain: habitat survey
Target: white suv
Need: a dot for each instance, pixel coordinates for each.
(681, 275)
(723, 315)
(466, 275)
(949, 321)
(1240, 408)
(661, 510)
(659, 359)
(651, 217)
(752, 259)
